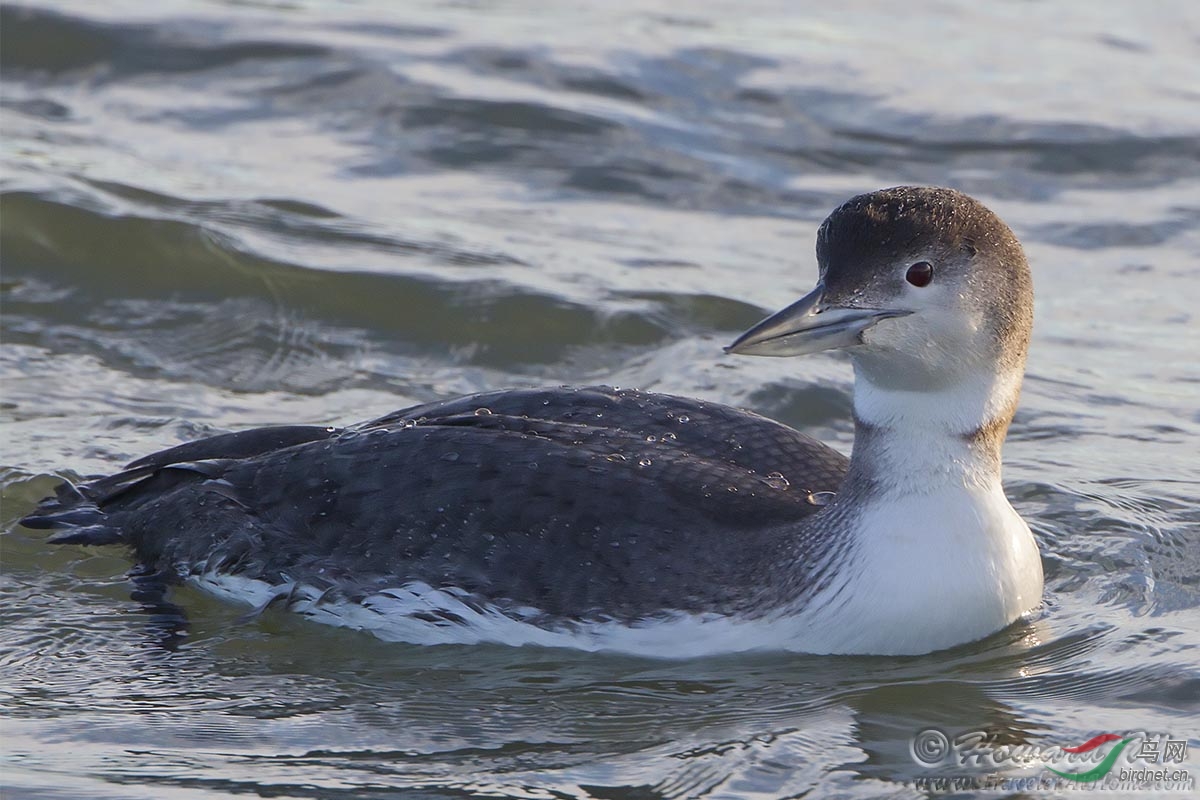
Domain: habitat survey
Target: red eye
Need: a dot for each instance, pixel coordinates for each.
(919, 274)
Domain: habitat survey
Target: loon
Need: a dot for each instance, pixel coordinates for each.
(608, 519)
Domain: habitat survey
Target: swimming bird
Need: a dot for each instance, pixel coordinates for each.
(610, 519)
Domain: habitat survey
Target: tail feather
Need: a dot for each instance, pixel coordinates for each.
(88, 534)
(78, 519)
(77, 512)
(92, 512)
(53, 515)
(96, 512)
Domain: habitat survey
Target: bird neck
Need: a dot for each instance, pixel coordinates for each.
(912, 441)
(934, 553)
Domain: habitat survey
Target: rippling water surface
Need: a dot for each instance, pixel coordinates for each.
(223, 214)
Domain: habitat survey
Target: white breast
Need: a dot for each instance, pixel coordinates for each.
(941, 558)
(930, 572)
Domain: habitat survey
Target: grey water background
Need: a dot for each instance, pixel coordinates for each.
(222, 214)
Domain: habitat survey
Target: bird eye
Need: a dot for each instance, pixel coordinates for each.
(919, 274)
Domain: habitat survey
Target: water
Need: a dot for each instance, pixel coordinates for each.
(224, 214)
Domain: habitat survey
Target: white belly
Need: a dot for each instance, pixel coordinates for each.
(928, 572)
(407, 612)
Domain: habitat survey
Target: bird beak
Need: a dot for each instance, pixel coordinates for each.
(809, 326)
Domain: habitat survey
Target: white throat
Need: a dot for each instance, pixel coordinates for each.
(940, 556)
(912, 439)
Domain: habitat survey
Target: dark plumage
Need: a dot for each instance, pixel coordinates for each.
(578, 502)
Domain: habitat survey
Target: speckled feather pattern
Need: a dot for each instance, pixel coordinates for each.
(581, 503)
